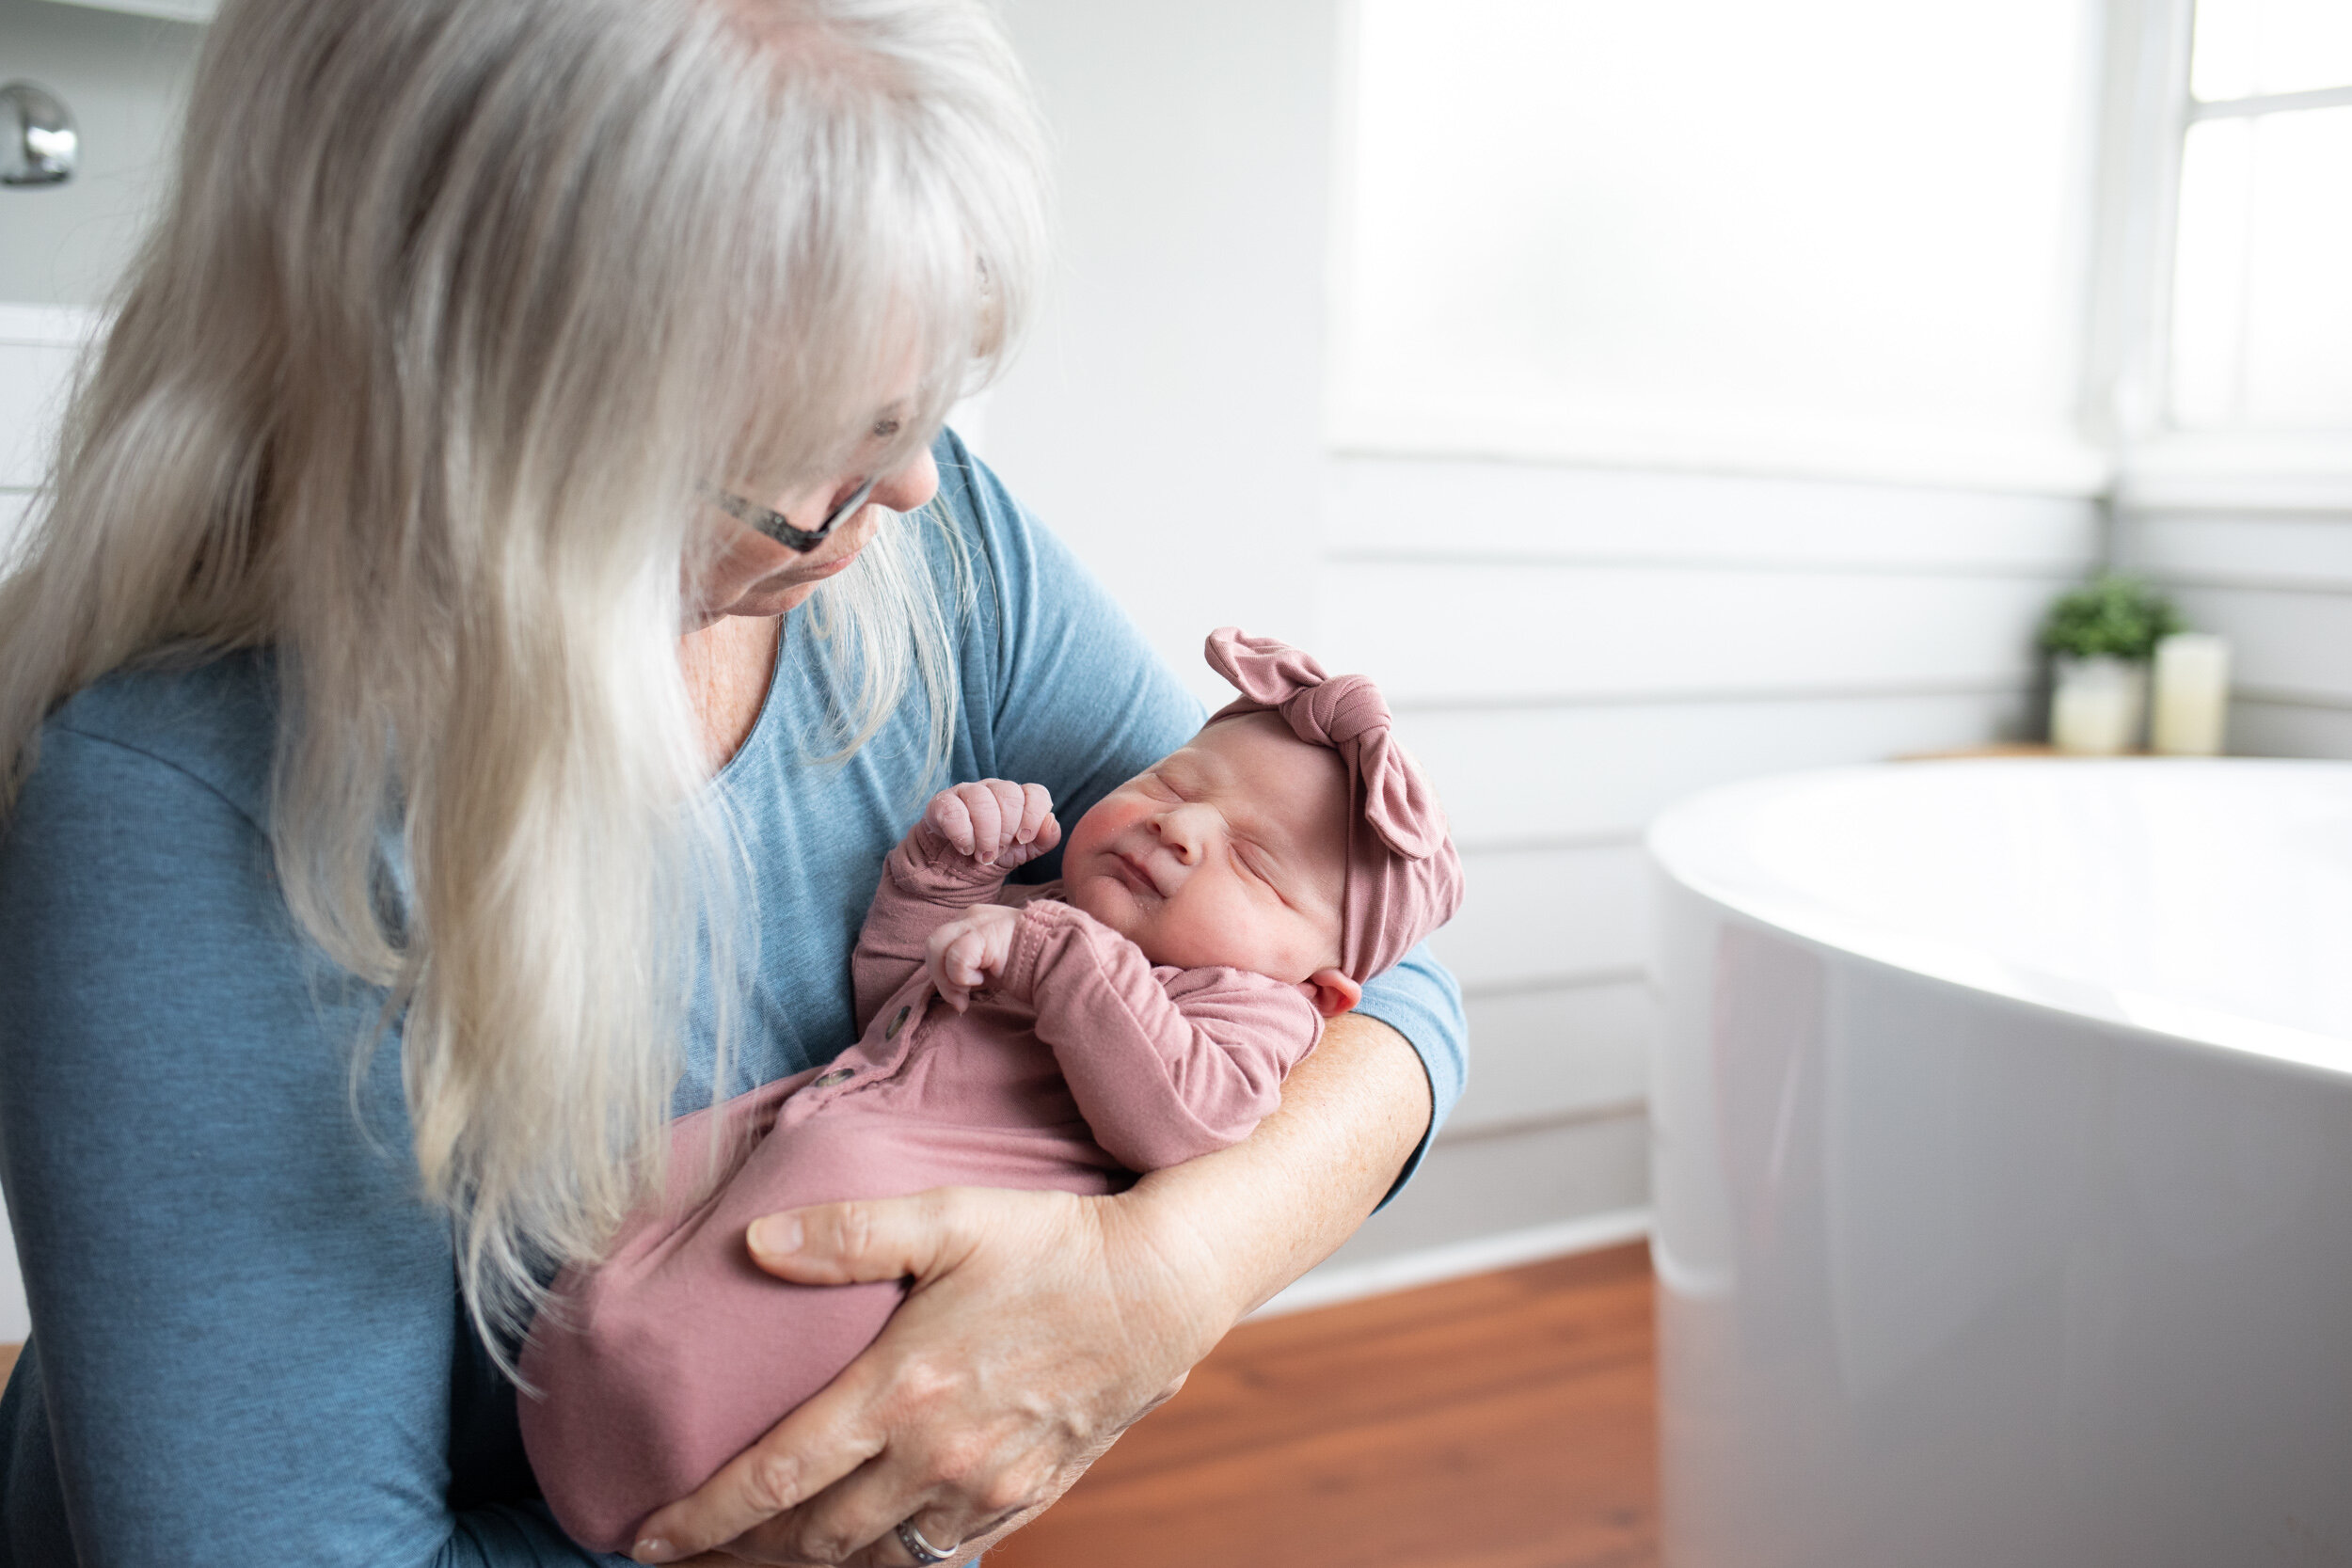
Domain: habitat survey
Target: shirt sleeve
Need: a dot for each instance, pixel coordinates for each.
(924, 883)
(1061, 689)
(245, 1319)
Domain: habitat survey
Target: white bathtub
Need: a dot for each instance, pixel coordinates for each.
(2004, 1167)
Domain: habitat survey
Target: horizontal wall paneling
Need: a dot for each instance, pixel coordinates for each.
(1439, 510)
(14, 505)
(2291, 644)
(34, 378)
(1556, 775)
(2309, 553)
(1570, 650)
(1559, 634)
(2270, 729)
(1487, 1185)
(1545, 917)
(2279, 585)
(1573, 1051)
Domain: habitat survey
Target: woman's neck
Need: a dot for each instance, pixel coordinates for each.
(728, 666)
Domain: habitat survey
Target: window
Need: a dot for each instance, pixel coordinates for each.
(2261, 310)
(2052, 246)
(1843, 237)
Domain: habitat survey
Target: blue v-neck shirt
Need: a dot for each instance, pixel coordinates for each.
(248, 1344)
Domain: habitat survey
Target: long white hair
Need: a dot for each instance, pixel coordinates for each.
(455, 308)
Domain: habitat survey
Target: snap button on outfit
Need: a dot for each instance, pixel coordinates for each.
(838, 1076)
(897, 1024)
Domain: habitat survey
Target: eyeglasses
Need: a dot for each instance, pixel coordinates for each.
(776, 525)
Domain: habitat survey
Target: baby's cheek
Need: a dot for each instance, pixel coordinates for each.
(1104, 897)
(1219, 927)
(1109, 816)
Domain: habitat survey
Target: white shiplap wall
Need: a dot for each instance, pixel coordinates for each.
(39, 345)
(2279, 585)
(1572, 649)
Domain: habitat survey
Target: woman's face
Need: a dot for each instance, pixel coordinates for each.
(753, 575)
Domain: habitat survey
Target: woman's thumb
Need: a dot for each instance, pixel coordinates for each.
(866, 1239)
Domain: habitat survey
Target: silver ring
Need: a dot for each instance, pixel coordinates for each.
(920, 1549)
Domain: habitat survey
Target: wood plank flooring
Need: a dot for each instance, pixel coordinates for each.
(1502, 1422)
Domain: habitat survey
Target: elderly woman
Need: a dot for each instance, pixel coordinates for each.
(505, 589)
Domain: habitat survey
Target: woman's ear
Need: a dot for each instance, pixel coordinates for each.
(1334, 992)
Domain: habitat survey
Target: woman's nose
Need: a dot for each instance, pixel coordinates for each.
(910, 486)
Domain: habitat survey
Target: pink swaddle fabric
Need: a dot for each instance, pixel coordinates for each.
(1404, 879)
(1081, 1063)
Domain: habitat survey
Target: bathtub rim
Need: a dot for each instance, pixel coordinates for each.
(1669, 844)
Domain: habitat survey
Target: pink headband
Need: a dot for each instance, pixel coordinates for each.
(1404, 879)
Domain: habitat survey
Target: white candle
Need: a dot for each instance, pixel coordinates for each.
(2192, 694)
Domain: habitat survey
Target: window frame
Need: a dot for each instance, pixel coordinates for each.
(2159, 463)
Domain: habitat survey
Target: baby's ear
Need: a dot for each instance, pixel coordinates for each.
(1334, 992)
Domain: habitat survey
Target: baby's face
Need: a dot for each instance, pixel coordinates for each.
(1232, 852)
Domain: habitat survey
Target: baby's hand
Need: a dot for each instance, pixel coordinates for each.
(995, 821)
(970, 950)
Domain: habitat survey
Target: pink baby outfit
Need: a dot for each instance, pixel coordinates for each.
(1084, 1063)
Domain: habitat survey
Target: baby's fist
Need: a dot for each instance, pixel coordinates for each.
(995, 821)
(970, 950)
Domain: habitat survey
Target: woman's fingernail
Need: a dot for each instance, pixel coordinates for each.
(651, 1549)
(776, 1235)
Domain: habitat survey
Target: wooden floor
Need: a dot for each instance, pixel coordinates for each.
(1504, 1422)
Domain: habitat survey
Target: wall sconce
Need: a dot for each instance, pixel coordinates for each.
(39, 145)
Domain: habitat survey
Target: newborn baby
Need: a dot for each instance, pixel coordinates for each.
(1213, 911)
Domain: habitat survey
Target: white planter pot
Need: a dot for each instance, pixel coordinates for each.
(2097, 704)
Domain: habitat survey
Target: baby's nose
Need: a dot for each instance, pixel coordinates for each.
(1181, 831)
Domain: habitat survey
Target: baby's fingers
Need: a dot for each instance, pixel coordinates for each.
(988, 819)
(967, 958)
(951, 819)
(1005, 800)
(953, 969)
(1037, 814)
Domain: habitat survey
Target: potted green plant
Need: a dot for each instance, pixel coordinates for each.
(2099, 638)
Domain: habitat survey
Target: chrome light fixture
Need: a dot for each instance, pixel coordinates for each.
(39, 145)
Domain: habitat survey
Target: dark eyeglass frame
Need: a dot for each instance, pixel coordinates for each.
(776, 525)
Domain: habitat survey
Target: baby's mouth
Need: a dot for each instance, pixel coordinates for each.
(1133, 873)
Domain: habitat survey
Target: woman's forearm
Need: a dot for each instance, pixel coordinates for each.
(1263, 1212)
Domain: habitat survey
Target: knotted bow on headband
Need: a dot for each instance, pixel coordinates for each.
(1404, 879)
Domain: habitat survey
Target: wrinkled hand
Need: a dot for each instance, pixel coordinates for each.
(995, 821)
(971, 950)
(1039, 1326)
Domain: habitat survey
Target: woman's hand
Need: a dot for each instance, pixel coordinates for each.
(1039, 1326)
